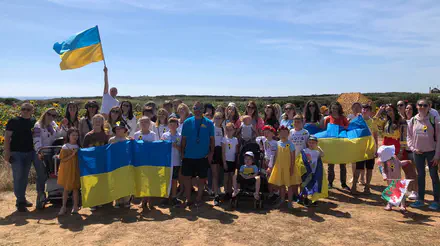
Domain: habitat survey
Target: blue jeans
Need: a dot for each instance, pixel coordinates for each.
(21, 164)
(40, 169)
(433, 171)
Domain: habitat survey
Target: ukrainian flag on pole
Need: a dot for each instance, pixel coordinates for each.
(80, 49)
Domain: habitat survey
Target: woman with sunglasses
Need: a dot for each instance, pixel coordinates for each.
(114, 116)
(270, 117)
(423, 140)
(45, 132)
(85, 123)
(128, 117)
(391, 126)
(252, 111)
(72, 115)
(289, 113)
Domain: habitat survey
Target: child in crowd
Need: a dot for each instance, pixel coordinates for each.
(68, 174)
(230, 150)
(282, 174)
(145, 133)
(120, 135)
(298, 135)
(247, 131)
(314, 154)
(174, 137)
(269, 146)
(161, 123)
(391, 168)
(147, 136)
(219, 133)
(248, 174)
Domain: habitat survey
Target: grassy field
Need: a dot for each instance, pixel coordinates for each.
(339, 220)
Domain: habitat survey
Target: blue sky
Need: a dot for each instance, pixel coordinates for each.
(224, 47)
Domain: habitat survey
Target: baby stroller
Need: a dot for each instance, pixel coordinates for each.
(54, 192)
(246, 190)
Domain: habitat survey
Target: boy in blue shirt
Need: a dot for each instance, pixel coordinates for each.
(247, 175)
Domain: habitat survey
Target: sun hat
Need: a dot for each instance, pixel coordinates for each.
(249, 153)
(313, 138)
(323, 109)
(386, 152)
(231, 104)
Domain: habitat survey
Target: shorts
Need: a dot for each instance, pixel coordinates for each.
(245, 182)
(195, 168)
(218, 155)
(231, 167)
(369, 164)
(176, 171)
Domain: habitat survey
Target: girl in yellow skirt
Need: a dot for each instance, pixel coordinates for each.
(284, 173)
(68, 175)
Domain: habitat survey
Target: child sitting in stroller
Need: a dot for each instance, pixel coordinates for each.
(247, 175)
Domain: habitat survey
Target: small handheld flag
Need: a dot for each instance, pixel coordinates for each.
(80, 49)
(395, 192)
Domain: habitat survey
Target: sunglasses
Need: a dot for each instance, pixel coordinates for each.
(53, 115)
(125, 105)
(400, 105)
(115, 111)
(288, 109)
(26, 109)
(423, 105)
(197, 108)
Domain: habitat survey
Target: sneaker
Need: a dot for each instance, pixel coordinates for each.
(345, 187)
(93, 209)
(434, 206)
(22, 208)
(217, 200)
(417, 204)
(413, 195)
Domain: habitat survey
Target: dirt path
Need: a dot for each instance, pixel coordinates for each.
(339, 220)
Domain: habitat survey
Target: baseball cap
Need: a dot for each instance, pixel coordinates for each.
(249, 153)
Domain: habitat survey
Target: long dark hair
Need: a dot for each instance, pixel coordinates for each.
(316, 116)
(236, 114)
(388, 128)
(130, 111)
(340, 110)
(209, 106)
(89, 104)
(69, 132)
(414, 108)
(255, 115)
(71, 122)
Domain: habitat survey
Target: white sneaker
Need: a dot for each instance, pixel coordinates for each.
(413, 195)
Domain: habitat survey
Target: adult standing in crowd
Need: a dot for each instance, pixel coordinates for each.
(423, 140)
(45, 132)
(289, 113)
(72, 115)
(85, 124)
(252, 111)
(391, 126)
(233, 116)
(19, 151)
(209, 111)
(176, 103)
(312, 114)
(168, 106)
(183, 111)
(432, 111)
(108, 100)
(128, 117)
(270, 117)
(198, 149)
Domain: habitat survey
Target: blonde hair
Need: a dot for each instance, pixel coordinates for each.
(162, 111)
(144, 118)
(99, 116)
(277, 110)
(184, 107)
(230, 125)
(42, 119)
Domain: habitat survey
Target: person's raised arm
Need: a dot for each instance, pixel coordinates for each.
(106, 86)
(7, 146)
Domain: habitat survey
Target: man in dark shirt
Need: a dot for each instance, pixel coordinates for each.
(19, 151)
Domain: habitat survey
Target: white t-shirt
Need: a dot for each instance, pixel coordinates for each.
(218, 135)
(231, 148)
(133, 125)
(108, 102)
(434, 112)
(150, 137)
(299, 139)
(161, 130)
(175, 154)
(315, 155)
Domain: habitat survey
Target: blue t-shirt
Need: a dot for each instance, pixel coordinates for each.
(248, 170)
(197, 149)
(287, 123)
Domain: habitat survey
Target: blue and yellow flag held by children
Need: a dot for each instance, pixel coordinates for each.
(80, 49)
(122, 169)
(350, 145)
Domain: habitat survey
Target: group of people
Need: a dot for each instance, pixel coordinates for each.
(207, 142)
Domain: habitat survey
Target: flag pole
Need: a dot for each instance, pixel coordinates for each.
(102, 51)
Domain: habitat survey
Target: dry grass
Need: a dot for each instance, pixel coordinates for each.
(339, 220)
(6, 181)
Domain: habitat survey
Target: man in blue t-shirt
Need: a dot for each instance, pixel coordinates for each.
(198, 148)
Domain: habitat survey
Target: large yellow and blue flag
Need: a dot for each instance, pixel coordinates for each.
(314, 180)
(342, 146)
(122, 169)
(80, 49)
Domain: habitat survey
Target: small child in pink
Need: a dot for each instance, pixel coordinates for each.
(391, 169)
